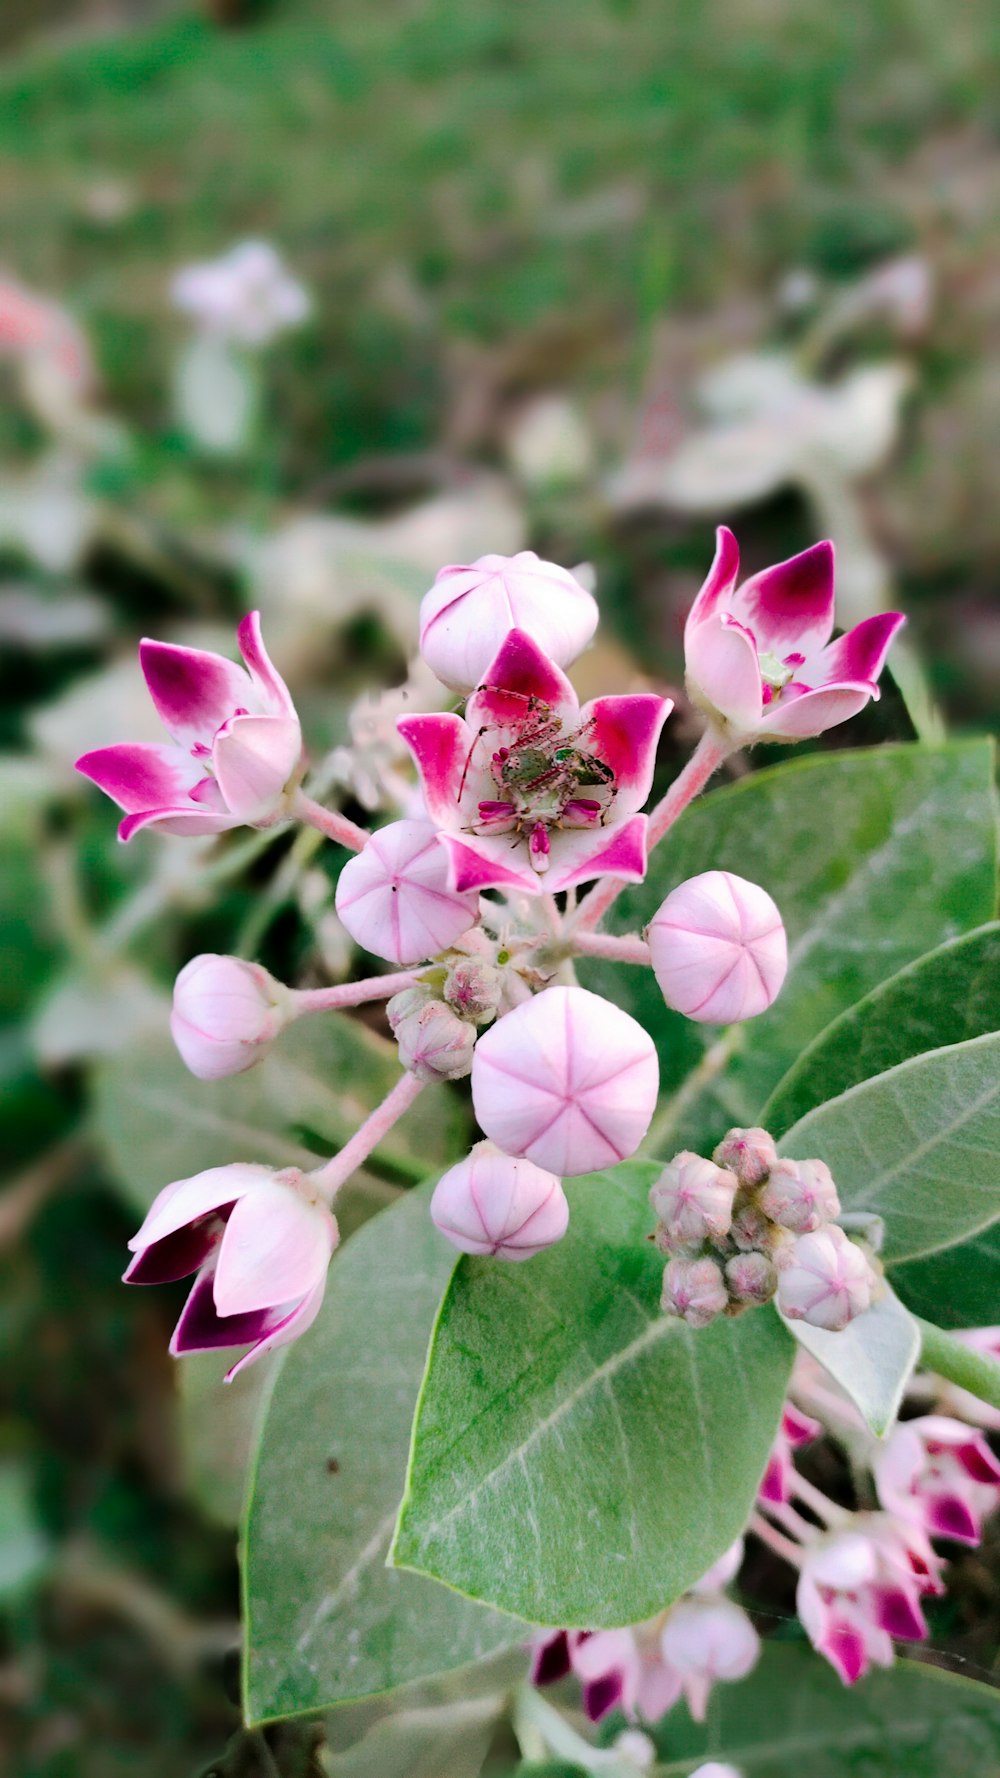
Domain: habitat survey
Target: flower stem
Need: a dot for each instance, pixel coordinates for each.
(329, 822)
(339, 1168)
(632, 949)
(776, 1540)
(707, 756)
(948, 1357)
(374, 987)
(825, 1509)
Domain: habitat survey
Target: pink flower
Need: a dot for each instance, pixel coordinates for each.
(260, 1243)
(759, 657)
(394, 897)
(694, 1290)
(567, 1080)
(718, 948)
(237, 743)
(796, 1429)
(693, 1200)
(705, 1640)
(939, 1475)
(34, 327)
(491, 1203)
(226, 1015)
(826, 1280)
(531, 792)
(861, 1587)
(468, 613)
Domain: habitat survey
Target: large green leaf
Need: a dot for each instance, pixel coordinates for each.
(948, 996)
(794, 1719)
(917, 1145)
(873, 857)
(323, 1077)
(326, 1620)
(957, 1287)
(578, 1458)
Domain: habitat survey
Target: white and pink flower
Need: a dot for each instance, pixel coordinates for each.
(567, 1080)
(718, 948)
(796, 1429)
(759, 657)
(395, 899)
(531, 792)
(493, 1204)
(246, 296)
(825, 1279)
(260, 1242)
(226, 1014)
(236, 743)
(940, 1475)
(861, 1587)
(469, 611)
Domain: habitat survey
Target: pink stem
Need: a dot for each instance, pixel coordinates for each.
(329, 822)
(632, 949)
(707, 756)
(825, 1509)
(374, 987)
(339, 1168)
(781, 1545)
(792, 1521)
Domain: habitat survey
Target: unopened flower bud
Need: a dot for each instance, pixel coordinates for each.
(750, 1154)
(693, 1200)
(718, 948)
(695, 1290)
(826, 1280)
(492, 1203)
(750, 1229)
(394, 897)
(226, 1014)
(715, 1770)
(434, 1044)
(751, 1277)
(404, 1004)
(800, 1195)
(473, 989)
(635, 1748)
(469, 612)
(567, 1079)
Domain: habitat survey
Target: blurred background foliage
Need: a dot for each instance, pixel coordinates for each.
(587, 279)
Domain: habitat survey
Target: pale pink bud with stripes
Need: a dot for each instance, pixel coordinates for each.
(718, 948)
(825, 1280)
(469, 612)
(800, 1195)
(694, 1290)
(750, 1154)
(493, 1204)
(693, 1201)
(226, 1014)
(394, 897)
(434, 1043)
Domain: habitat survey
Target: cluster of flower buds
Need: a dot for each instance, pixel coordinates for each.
(524, 795)
(747, 1226)
(703, 1639)
(863, 1575)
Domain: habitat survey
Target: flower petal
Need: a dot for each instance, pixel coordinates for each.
(275, 1249)
(441, 745)
(283, 1331)
(625, 735)
(254, 758)
(194, 691)
(790, 607)
(719, 583)
(188, 1200)
(142, 775)
(723, 672)
(274, 695)
(491, 862)
(519, 672)
(177, 1255)
(193, 823)
(578, 857)
(812, 713)
(857, 657)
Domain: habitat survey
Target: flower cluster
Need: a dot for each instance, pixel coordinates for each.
(473, 898)
(643, 1671)
(747, 1226)
(863, 1576)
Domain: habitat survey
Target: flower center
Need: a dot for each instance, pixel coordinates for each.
(543, 777)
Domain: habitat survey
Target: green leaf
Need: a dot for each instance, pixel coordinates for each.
(872, 1358)
(957, 1287)
(326, 1620)
(426, 1730)
(578, 1458)
(218, 1426)
(873, 857)
(947, 997)
(794, 1719)
(917, 1146)
(157, 1123)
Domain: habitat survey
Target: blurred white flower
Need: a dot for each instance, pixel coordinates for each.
(246, 297)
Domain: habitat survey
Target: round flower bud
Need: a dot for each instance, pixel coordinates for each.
(394, 896)
(635, 1748)
(751, 1277)
(800, 1195)
(226, 1015)
(404, 1004)
(473, 989)
(826, 1280)
(693, 1200)
(434, 1044)
(491, 1203)
(718, 948)
(567, 1079)
(470, 611)
(695, 1290)
(750, 1154)
(750, 1229)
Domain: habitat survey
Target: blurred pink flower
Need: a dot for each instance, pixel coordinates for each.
(247, 296)
(940, 1475)
(796, 1429)
(861, 1587)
